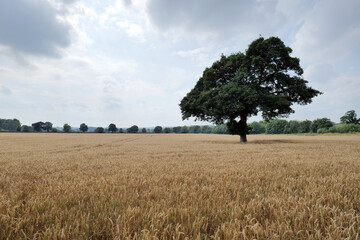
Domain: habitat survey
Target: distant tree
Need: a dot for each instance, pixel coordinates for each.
(292, 127)
(305, 126)
(324, 123)
(350, 117)
(83, 127)
(195, 129)
(205, 129)
(10, 124)
(133, 129)
(38, 126)
(54, 130)
(143, 130)
(47, 126)
(345, 128)
(121, 130)
(158, 129)
(167, 130)
(177, 129)
(99, 130)
(276, 126)
(18, 128)
(66, 128)
(220, 129)
(112, 128)
(185, 129)
(257, 128)
(24, 128)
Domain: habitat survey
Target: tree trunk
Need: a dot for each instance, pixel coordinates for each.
(243, 138)
(243, 127)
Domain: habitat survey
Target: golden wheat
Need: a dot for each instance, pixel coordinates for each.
(134, 186)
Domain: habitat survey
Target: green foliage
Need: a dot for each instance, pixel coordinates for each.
(305, 126)
(10, 124)
(185, 129)
(167, 130)
(99, 130)
(121, 130)
(47, 126)
(195, 129)
(350, 117)
(83, 127)
(66, 128)
(220, 129)
(205, 129)
(38, 126)
(54, 130)
(322, 130)
(25, 128)
(112, 128)
(266, 78)
(276, 126)
(177, 129)
(158, 129)
(143, 130)
(133, 129)
(321, 123)
(292, 127)
(257, 128)
(345, 128)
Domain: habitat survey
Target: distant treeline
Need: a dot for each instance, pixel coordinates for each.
(10, 124)
(348, 123)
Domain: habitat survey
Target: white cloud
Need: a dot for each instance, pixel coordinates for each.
(33, 28)
(134, 31)
(329, 32)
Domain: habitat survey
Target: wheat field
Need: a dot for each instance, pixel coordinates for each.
(146, 186)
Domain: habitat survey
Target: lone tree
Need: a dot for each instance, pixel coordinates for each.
(158, 129)
(112, 128)
(265, 79)
(83, 127)
(350, 117)
(99, 130)
(38, 126)
(133, 129)
(66, 128)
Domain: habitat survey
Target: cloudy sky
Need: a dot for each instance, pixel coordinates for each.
(132, 61)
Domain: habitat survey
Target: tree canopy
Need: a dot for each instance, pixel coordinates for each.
(66, 128)
(350, 117)
(321, 123)
(83, 127)
(99, 130)
(38, 126)
(10, 124)
(133, 129)
(48, 126)
(265, 79)
(112, 128)
(158, 129)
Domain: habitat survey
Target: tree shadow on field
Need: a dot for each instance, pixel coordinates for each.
(250, 142)
(272, 141)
